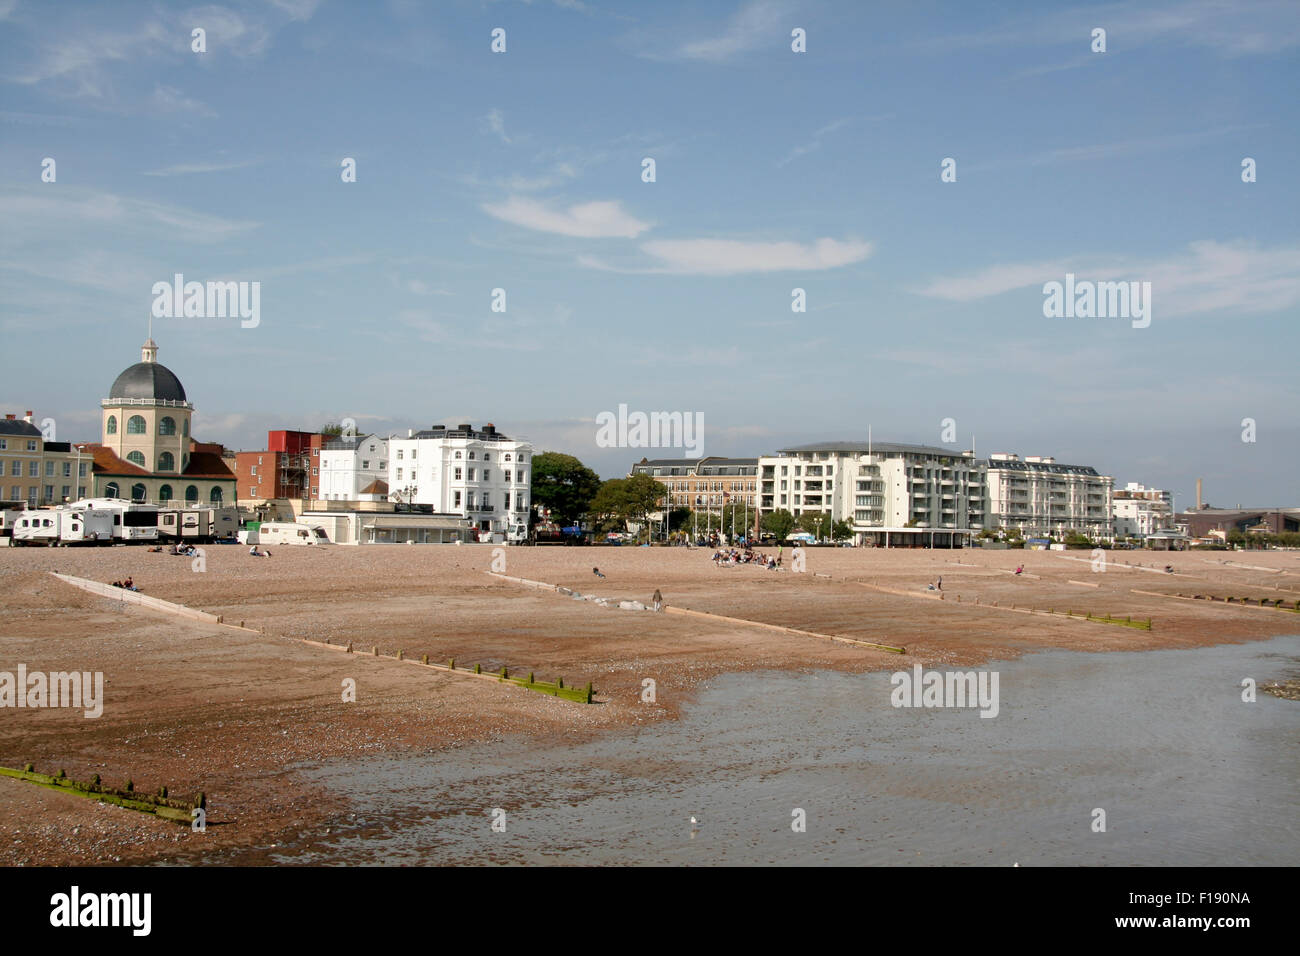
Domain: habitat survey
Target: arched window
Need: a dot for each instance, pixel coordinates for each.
(137, 491)
(185, 428)
(166, 461)
(136, 458)
(192, 493)
(165, 493)
(167, 425)
(111, 427)
(135, 425)
(111, 490)
(215, 497)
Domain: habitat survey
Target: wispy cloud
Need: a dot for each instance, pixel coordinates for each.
(70, 211)
(495, 123)
(190, 169)
(755, 23)
(1208, 276)
(732, 256)
(1264, 28)
(815, 143)
(592, 220)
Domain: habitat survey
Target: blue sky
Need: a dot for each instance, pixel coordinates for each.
(775, 170)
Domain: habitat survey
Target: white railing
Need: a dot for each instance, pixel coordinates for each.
(162, 402)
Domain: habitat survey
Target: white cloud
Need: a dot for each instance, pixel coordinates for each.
(168, 99)
(1208, 276)
(56, 215)
(187, 169)
(753, 24)
(496, 123)
(1271, 27)
(297, 9)
(592, 220)
(732, 256)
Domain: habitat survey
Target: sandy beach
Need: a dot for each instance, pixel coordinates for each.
(196, 706)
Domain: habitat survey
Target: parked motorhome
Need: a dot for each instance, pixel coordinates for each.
(63, 526)
(8, 515)
(132, 520)
(285, 533)
(197, 524)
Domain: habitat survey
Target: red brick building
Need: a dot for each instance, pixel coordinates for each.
(288, 468)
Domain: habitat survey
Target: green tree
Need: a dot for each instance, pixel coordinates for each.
(641, 495)
(744, 519)
(779, 523)
(563, 484)
(332, 429)
(841, 531)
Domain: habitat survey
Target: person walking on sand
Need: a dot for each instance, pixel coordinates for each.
(939, 586)
(658, 601)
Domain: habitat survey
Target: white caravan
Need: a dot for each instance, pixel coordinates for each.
(285, 533)
(63, 526)
(132, 520)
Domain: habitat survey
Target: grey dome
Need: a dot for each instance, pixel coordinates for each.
(148, 380)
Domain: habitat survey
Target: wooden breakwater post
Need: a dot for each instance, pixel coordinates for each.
(159, 804)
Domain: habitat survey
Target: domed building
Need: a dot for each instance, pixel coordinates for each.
(147, 453)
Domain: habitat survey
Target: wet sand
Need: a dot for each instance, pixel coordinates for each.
(247, 717)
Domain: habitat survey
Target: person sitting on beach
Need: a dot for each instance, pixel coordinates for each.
(129, 584)
(596, 571)
(1020, 569)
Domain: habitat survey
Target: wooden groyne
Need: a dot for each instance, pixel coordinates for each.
(556, 688)
(160, 804)
(670, 609)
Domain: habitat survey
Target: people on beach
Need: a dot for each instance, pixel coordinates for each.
(657, 602)
(597, 572)
(1020, 569)
(939, 584)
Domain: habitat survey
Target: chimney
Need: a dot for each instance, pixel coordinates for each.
(1198, 494)
(28, 417)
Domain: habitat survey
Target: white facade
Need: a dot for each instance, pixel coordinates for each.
(1040, 497)
(878, 487)
(1140, 511)
(477, 473)
(348, 468)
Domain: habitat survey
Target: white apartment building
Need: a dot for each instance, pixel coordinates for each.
(1140, 511)
(891, 494)
(479, 474)
(1041, 498)
(354, 469)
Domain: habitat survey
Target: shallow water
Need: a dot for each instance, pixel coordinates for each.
(1186, 772)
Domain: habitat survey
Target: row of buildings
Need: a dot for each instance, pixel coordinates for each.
(479, 479)
(436, 485)
(901, 494)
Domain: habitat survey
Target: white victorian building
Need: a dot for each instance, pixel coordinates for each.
(480, 474)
